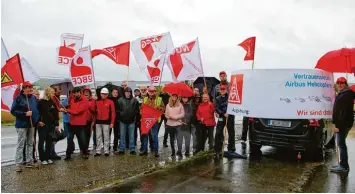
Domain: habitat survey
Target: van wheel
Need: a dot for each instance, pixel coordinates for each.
(254, 148)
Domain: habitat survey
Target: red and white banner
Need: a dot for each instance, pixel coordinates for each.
(150, 116)
(146, 49)
(118, 54)
(154, 70)
(70, 44)
(186, 62)
(81, 70)
(249, 46)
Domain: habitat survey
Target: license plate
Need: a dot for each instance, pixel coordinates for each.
(279, 123)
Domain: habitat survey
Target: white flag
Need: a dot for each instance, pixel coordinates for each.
(70, 44)
(81, 70)
(146, 49)
(154, 70)
(185, 61)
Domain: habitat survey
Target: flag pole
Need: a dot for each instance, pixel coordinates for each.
(127, 74)
(203, 73)
(161, 73)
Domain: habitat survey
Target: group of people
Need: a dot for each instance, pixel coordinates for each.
(186, 119)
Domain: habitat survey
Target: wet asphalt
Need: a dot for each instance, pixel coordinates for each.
(275, 171)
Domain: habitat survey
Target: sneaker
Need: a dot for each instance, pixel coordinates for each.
(18, 168)
(44, 162)
(50, 162)
(339, 169)
(165, 145)
(107, 154)
(133, 153)
(156, 154)
(143, 154)
(97, 154)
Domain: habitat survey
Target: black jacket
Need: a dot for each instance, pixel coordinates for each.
(48, 112)
(129, 109)
(188, 112)
(117, 110)
(343, 113)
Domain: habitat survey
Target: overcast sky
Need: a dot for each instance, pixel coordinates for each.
(289, 33)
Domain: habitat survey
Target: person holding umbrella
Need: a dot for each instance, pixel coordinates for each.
(174, 112)
(343, 119)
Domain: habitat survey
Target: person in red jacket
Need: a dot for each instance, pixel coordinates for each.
(90, 114)
(78, 118)
(105, 119)
(205, 116)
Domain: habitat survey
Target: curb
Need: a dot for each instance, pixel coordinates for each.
(119, 183)
(305, 178)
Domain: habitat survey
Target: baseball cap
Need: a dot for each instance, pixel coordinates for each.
(26, 84)
(222, 72)
(104, 91)
(341, 80)
(223, 87)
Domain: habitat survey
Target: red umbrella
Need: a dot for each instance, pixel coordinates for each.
(340, 61)
(180, 89)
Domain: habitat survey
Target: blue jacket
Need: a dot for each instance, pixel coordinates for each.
(221, 103)
(65, 116)
(20, 107)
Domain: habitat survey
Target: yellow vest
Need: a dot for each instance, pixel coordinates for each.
(158, 101)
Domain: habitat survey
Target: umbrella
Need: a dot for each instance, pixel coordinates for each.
(210, 81)
(340, 61)
(180, 89)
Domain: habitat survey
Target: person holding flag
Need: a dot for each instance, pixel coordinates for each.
(24, 108)
(156, 102)
(78, 106)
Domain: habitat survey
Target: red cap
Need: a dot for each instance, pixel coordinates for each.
(26, 84)
(222, 72)
(341, 80)
(223, 87)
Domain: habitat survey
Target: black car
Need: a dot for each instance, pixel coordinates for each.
(309, 137)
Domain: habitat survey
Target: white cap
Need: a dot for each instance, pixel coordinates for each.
(104, 91)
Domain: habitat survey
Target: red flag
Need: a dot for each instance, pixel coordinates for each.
(11, 72)
(119, 53)
(150, 116)
(249, 46)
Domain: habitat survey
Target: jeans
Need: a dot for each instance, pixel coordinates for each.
(102, 132)
(45, 137)
(34, 147)
(67, 132)
(25, 136)
(343, 151)
(204, 132)
(165, 141)
(79, 131)
(155, 141)
(173, 132)
(124, 128)
(184, 133)
(245, 128)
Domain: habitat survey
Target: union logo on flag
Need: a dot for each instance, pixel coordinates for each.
(236, 89)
